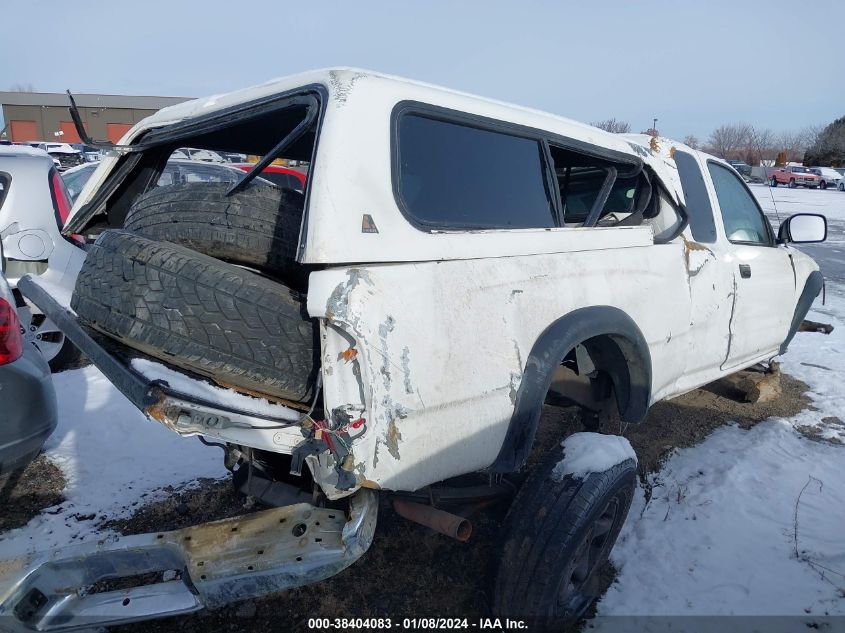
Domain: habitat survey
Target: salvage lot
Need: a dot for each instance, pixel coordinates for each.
(739, 510)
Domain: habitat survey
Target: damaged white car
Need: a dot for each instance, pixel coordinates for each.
(453, 264)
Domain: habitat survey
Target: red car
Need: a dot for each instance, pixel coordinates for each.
(794, 176)
(281, 176)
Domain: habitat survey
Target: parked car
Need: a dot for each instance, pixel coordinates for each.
(27, 397)
(63, 153)
(204, 155)
(176, 171)
(829, 177)
(278, 175)
(742, 167)
(89, 153)
(455, 264)
(33, 208)
(794, 176)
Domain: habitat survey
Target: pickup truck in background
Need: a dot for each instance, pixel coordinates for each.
(452, 265)
(794, 176)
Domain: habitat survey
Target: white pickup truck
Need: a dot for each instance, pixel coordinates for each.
(453, 264)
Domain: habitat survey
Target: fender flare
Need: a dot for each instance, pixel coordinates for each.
(625, 352)
(812, 288)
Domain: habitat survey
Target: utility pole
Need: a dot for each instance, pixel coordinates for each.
(654, 127)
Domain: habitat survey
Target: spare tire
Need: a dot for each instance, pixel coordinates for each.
(199, 313)
(257, 227)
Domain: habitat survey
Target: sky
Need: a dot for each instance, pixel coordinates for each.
(693, 65)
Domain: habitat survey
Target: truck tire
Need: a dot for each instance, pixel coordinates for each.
(773, 182)
(553, 523)
(257, 227)
(199, 313)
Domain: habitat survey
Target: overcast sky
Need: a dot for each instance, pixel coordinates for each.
(693, 65)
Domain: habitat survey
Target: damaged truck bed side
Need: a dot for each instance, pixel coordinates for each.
(464, 260)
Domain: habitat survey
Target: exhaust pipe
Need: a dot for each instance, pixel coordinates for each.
(441, 521)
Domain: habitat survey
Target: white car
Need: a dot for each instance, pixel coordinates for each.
(34, 205)
(204, 155)
(65, 155)
(830, 178)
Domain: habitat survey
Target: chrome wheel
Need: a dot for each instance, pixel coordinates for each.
(41, 332)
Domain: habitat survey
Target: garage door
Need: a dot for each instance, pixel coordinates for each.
(23, 131)
(116, 131)
(69, 134)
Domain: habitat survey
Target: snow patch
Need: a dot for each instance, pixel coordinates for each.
(586, 453)
(746, 523)
(212, 393)
(114, 459)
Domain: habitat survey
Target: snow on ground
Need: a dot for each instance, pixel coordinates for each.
(751, 522)
(112, 456)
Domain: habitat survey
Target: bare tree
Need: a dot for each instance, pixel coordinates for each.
(27, 87)
(692, 141)
(651, 132)
(612, 125)
(796, 143)
(729, 140)
(761, 146)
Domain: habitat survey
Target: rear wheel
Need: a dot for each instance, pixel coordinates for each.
(557, 536)
(54, 346)
(773, 182)
(823, 184)
(842, 186)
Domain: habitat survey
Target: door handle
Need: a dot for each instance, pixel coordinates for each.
(745, 271)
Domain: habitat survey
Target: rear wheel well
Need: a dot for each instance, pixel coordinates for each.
(610, 342)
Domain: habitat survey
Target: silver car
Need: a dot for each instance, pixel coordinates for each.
(27, 397)
(34, 205)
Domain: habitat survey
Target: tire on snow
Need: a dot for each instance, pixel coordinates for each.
(256, 227)
(549, 520)
(200, 314)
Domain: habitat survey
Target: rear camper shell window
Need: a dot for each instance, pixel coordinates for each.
(254, 128)
(454, 171)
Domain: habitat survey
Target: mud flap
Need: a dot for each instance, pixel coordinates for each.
(133, 578)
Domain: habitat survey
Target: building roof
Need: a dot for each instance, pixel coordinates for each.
(84, 100)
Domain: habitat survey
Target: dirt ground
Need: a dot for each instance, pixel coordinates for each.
(409, 570)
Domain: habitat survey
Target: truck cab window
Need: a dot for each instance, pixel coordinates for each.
(744, 221)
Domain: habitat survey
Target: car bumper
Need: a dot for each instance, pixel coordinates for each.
(28, 403)
(180, 572)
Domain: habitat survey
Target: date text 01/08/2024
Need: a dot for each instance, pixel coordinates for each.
(429, 624)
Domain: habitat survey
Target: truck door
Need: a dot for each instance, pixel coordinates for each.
(763, 278)
(710, 278)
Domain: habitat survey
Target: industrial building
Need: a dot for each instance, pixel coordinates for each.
(44, 116)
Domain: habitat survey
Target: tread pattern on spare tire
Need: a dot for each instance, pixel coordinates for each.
(198, 313)
(258, 226)
(541, 526)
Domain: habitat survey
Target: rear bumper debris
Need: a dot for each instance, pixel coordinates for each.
(126, 579)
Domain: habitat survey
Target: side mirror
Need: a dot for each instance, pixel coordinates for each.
(803, 228)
